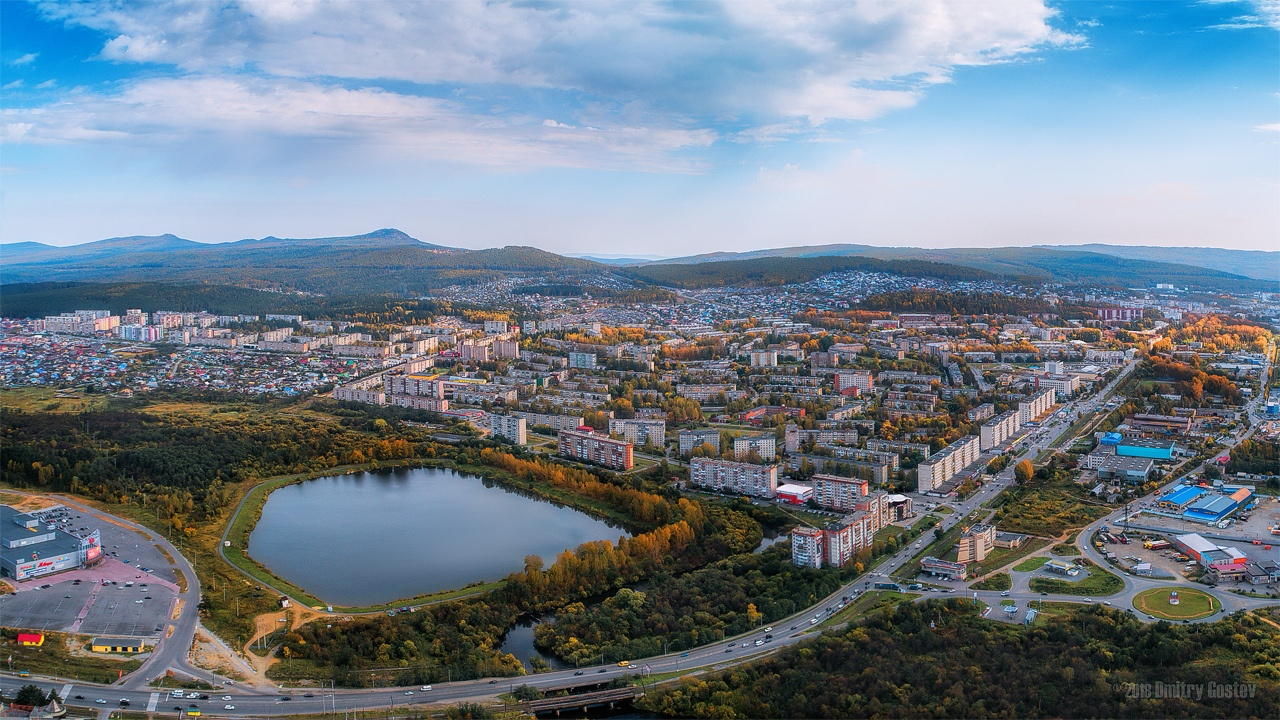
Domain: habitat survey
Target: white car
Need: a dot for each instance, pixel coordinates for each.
(426, 688)
(226, 698)
(408, 692)
(228, 707)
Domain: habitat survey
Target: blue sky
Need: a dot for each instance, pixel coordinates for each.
(650, 128)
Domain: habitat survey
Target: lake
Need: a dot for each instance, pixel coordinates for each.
(372, 538)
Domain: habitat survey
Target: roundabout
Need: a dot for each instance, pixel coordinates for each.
(1176, 603)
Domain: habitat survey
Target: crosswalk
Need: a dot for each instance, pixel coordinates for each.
(65, 692)
(151, 704)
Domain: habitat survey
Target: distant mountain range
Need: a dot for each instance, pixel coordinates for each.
(389, 261)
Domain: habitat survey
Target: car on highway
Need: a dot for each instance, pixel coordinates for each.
(685, 654)
(228, 707)
(226, 698)
(408, 692)
(624, 663)
(100, 701)
(425, 688)
(577, 672)
(601, 670)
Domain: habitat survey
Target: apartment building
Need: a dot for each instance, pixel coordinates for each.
(947, 463)
(997, 430)
(690, 439)
(640, 432)
(736, 477)
(508, 427)
(1036, 404)
(841, 494)
(583, 444)
(551, 420)
(764, 445)
(985, 411)
(808, 547)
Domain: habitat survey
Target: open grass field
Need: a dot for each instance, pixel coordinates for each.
(999, 581)
(57, 658)
(1099, 583)
(1031, 564)
(999, 557)
(1192, 604)
(865, 604)
(32, 399)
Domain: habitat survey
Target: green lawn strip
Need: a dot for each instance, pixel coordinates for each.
(1001, 557)
(944, 510)
(1065, 550)
(1192, 604)
(864, 604)
(1031, 564)
(999, 581)
(55, 659)
(1099, 583)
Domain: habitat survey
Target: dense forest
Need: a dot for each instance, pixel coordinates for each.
(940, 659)
(771, 272)
(1255, 456)
(935, 301)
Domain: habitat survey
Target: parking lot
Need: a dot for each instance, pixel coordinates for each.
(117, 596)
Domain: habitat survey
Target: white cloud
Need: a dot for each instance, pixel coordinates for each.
(760, 61)
(25, 59)
(13, 85)
(1269, 127)
(231, 112)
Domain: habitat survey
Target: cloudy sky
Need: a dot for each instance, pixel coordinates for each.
(649, 128)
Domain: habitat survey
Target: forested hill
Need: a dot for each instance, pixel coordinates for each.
(385, 261)
(783, 271)
(939, 659)
(1060, 264)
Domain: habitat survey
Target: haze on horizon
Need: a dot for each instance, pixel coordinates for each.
(649, 129)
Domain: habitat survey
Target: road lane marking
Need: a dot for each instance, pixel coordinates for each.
(151, 704)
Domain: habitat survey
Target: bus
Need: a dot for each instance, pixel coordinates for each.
(887, 586)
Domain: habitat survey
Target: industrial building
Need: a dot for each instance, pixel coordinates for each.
(794, 494)
(1214, 508)
(1126, 469)
(938, 567)
(118, 645)
(29, 549)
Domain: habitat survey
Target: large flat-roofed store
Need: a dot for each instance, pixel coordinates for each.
(29, 548)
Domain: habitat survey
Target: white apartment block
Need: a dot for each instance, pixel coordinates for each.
(640, 432)
(764, 445)
(736, 477)
(995, 431)
(551, 420)
(947, 463)
(508, 427)
(1036, 405)
(1062, 385)
(690, 439)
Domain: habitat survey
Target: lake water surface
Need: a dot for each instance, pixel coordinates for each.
(371, 538)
